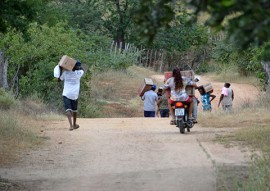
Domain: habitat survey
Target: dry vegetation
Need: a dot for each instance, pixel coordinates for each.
(251, 120)
(116, 92)
(21, 127)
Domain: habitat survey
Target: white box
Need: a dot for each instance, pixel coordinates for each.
(146, 85)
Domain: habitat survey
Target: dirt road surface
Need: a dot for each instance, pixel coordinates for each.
(126, 154)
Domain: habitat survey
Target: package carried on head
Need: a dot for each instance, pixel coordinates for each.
(146, 85)
(208, 88)
(67, 62)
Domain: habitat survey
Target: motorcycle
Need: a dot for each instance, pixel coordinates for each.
(181, 117)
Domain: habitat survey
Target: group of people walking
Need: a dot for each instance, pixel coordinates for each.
(160, 103)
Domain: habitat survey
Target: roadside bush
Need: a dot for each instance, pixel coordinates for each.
(102, 60)
(7, 100)
(14, 136)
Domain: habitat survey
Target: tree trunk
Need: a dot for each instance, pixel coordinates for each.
(3, 71)
(266, 67)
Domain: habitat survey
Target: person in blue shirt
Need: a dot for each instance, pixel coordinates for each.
(206, 99)
(150, 99)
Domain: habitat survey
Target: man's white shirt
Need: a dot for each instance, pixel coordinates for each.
(71, 83)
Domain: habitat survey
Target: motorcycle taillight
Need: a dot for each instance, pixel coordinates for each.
(179, 104)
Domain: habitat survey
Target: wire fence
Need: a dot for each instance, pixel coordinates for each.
(162, 60)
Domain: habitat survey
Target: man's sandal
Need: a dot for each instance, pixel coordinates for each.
(172, 122)
(76, 127)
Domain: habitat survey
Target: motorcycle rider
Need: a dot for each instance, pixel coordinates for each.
(177, 85)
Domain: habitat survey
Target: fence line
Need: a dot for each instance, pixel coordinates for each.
(161, 60)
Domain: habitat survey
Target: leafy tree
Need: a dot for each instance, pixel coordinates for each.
(152, 15)
(118, 18)
(84, 15)
(247, 22)
(16, 14)
(181, 35)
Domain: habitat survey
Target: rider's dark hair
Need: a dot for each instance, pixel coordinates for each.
(177, 79)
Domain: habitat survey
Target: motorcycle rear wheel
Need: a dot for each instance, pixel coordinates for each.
(180, 124)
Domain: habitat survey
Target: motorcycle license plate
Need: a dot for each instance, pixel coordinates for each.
(180, 112)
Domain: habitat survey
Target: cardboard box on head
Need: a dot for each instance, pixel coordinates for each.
(67, 62)
(146, 85)
(208, 88)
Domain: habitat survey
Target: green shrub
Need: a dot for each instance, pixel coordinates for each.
(7, 100)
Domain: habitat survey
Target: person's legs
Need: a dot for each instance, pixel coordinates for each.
(164, 112)
(149, 113)
(195, 108)
(152, 114)
(227, 108)
(69, 116)
(68, 108)
(161, 111)
(172, 113)
(74, 105)
(167, 113)
(190, 107)
(170, 102)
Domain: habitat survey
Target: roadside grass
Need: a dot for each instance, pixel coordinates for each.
(251, 124)
(17, 133)
(116, 92)
(231, 75)
(20, 126)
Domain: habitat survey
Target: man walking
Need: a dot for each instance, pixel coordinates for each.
(71, 93)
(226, 98)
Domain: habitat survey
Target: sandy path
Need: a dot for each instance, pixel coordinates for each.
(123, 154)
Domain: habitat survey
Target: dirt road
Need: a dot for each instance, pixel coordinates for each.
(126, 154)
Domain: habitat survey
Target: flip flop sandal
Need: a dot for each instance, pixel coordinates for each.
(172, 122)
(76, 127)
